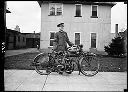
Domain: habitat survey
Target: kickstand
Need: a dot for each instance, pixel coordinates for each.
(79, 73)
(79, 69)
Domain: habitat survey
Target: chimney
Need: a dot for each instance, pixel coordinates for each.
(34, 34)
(17, 28)
(116, 30)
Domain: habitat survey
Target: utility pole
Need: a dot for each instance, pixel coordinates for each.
(34, 43)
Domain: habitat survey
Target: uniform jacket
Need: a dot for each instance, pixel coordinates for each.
(60, 41)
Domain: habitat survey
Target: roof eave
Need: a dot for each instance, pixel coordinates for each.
(39, 2)
(84, 2)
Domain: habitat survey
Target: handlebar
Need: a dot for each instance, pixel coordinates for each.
(75, 47)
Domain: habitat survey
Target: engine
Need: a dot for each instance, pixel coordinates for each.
(63, 63)
(69, 67)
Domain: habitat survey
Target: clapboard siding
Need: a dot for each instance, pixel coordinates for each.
(85, 24)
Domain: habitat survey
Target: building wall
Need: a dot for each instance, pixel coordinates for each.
(12, 39)
(10, 42)
(17, 40)
(32, 40)
(85, 25)
(20, 43)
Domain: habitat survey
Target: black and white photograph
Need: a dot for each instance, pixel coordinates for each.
(49, 45)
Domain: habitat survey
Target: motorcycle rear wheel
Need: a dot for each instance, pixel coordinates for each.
(41, 66)
(89, 65)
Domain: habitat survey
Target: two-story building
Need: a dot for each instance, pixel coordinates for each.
(87, 23)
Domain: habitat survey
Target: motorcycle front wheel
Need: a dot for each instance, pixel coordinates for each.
(41, 64)
(89, 65)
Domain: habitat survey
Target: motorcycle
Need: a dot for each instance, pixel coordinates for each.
(65, 61)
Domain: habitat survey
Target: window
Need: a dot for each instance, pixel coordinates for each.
(93, 40)
(52, 35)
(18, 38)
(55, 9)
(77, 38)
(78, 10)
(94, 11)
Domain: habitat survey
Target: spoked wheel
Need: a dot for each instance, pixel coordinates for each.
(41, 66)
(89, 65)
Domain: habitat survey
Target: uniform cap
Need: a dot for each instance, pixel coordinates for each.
(60, 24)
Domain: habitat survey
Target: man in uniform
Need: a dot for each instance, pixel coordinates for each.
(61, 39)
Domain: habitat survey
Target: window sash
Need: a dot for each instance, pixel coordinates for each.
(77, 38)
(52, 36)
(52, 12)
(52, 9)
(59, 9)
(93, 35)
(94, 13)
(93, 40)
(94, 8)
(93, 43)
(51, 42)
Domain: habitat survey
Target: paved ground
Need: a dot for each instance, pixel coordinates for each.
(29, 80)
(20, 51)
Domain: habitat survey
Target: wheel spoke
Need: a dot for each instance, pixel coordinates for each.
(89, 66)
(42, 64)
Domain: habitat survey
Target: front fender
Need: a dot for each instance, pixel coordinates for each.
(39, 55)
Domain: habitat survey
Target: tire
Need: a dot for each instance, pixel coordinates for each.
(89, 65)
(41, 66)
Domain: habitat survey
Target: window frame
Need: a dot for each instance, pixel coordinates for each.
(74, 37)
(80, 9)
(91, 11)
(50, 37)
(55, 9)
(91, 40)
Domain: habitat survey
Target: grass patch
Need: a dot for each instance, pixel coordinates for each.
(23, 61)
(112, 64)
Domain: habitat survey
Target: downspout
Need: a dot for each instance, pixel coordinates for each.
(116, 30)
